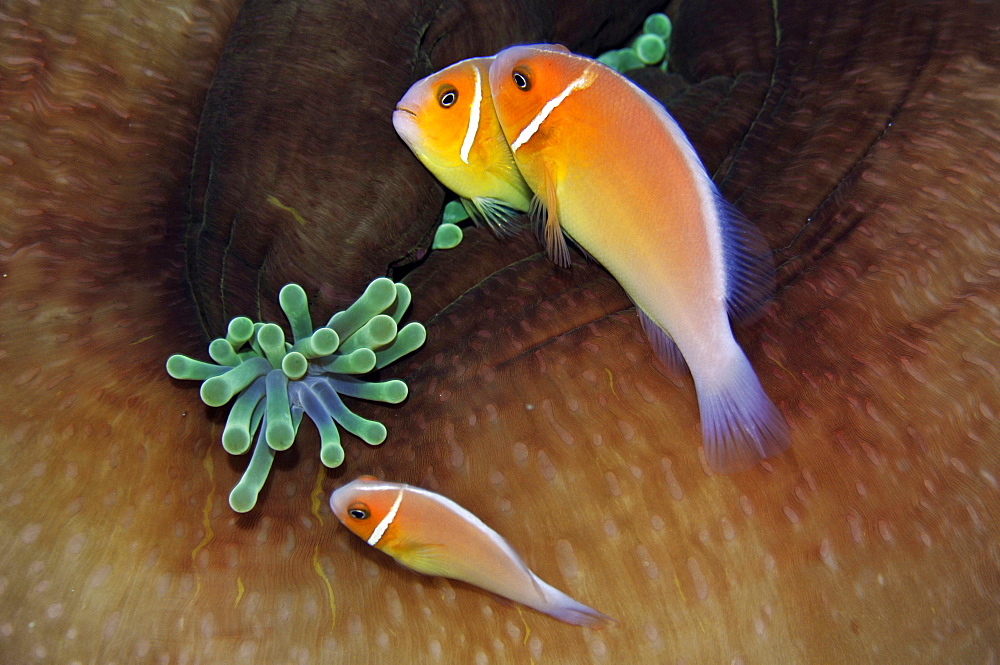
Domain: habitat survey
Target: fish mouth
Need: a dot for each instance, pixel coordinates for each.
(406, 125)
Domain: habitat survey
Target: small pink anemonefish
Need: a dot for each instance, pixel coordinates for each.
(433, 535)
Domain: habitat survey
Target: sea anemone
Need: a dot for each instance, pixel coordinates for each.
(861, 138)
(277, 382)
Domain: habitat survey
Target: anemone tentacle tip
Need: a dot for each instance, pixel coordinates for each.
(275, 382)
(649, 49)
(447, 236)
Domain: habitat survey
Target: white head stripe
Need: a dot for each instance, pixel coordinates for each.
(582, 81)
(386, 521)
(477, 101)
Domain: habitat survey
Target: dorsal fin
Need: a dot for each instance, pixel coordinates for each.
(749, 267)
(557, 48)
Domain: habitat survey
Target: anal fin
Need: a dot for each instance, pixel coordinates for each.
(663, 345)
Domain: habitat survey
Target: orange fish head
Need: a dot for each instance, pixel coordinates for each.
(363, 503)
(433, 116)
(524, 79)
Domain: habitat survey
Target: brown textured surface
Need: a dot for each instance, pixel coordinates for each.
(864, 143)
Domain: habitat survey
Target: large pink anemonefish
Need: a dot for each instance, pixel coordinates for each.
(614, 172)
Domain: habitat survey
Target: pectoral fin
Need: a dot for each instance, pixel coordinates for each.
(500, 217)
(427, 559)
(546, 220)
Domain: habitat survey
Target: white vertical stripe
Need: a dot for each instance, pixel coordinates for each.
(386, 521)
(470, 133)
(579, 83)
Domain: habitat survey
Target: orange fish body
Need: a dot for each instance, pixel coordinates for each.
(615, 172)
(433, 535)
(448, 121)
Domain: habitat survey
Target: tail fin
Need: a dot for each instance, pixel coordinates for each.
(564, 608)
(740, 425)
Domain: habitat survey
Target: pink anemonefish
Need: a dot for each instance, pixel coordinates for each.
(433, 535)
(447, 120)
(613, 171)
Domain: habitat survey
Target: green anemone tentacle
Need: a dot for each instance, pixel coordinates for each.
(276, 383)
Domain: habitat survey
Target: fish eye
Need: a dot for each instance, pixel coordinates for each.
(447, 97)
(358, 511)
(521, 80)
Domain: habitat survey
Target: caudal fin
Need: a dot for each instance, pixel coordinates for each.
(740, 425)
(564, 608)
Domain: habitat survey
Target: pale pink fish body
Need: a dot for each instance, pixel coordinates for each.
(616, 173)
(433, 535)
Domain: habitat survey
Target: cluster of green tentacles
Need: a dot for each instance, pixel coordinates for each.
(647, 50)
(278, 381)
